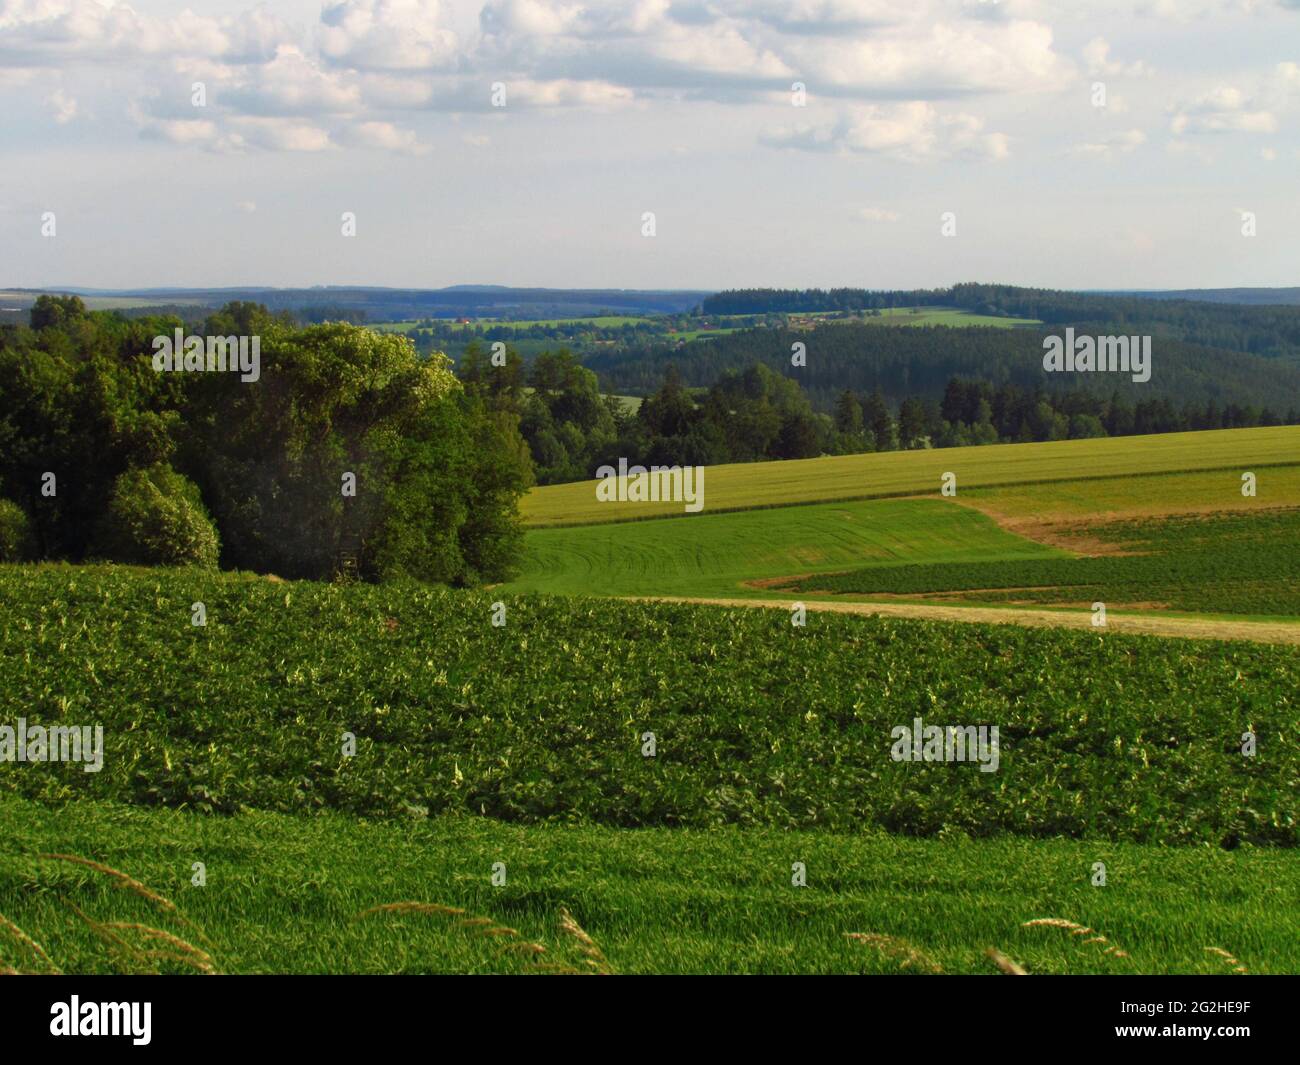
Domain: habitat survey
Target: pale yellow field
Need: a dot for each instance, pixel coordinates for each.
(897, 473)
(1118, 497)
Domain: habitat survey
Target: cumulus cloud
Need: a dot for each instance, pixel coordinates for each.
(280, 134)
(910, 132)
(902, 78)
(1096, 57)
(387, 35)
(387, 136)
(1224, 110)
(48, 32)
(291, 84)
(933, 61)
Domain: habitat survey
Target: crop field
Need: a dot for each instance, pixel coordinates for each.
(758, 722)
(744, 486)
(1245, 563)
(1082, 503)
(223, 746)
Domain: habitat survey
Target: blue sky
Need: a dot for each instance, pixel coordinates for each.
(384, 108)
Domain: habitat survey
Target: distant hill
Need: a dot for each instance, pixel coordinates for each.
(1251, 297)
(1271, 330)
(386, 304)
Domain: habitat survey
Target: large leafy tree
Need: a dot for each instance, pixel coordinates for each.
(275, 460)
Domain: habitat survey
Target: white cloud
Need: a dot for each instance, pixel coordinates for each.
(1096, 57)
(910, 132)
(934, 60)
(63, 106)
(386, 35)
(877, 214)
(387, 136)
(281, 134)
(1224, 110)
(291, 84)
(49, 32)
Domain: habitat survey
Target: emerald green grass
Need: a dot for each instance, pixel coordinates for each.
(754, 485)
(712, 554)
(757, 722)
(1244, 563)
(282, 895)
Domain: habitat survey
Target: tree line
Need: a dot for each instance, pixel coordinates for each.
(756, 414)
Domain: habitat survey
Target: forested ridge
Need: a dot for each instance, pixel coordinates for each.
(1271, 331)
(919, 360)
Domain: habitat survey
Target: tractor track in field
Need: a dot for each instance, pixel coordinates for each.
(1127, 624)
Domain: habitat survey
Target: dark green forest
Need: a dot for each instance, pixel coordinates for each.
(920, 360)
(755, 414)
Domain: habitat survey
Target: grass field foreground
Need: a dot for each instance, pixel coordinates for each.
(286, 894)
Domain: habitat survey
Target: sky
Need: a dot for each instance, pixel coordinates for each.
(700, 144)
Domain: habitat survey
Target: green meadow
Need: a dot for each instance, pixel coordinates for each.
(713, 554)
(949, 316)
(287, 894)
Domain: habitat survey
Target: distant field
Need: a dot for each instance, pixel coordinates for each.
(24, 300)
(713, 554)
(695, 334)
(600, 322)
(950, 316)
(628, 403)
(744, 486)
(631, 404)
(284, 893)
